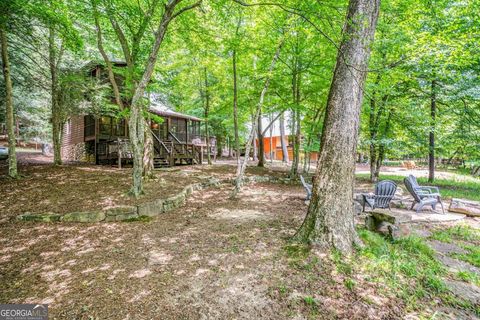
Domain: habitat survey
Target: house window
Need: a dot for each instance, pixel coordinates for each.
(119, 126)
(89, 126)
(105, 125)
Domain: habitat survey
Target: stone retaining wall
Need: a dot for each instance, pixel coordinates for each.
(149, 209)
(122, 213)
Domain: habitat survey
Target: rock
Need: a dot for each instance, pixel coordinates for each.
(39, 217)
(455, 265)
(174, 202)
(464, 291)
(470, 208)
(151, 209)
(120, 213)
(389, 223)
(188, 190)
(445, 248)
(450, 313)
(86, 216)
(422, 233)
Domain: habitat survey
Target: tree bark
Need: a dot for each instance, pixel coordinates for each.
(431, 142)
(148, 152)
(12, 156)
(271, 133)
(261, 143)
(235, 107)
(56, 118)
(296, 145)
(282, 138)
(329, 222)
(207, 109)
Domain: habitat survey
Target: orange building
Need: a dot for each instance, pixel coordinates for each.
(276, 147)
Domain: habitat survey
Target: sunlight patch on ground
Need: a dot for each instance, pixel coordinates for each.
(139, 296)
(201, 271)
(142, 273)
(240, 215)
(159, 258)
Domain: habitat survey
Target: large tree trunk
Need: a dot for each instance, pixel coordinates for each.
(12, 156)
(431, 142)
(136, 128)
(329, 222)
(148, 152)
(57, 119)
(282, 139)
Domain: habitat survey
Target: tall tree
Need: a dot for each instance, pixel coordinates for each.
(206, 113)
(12, 156)
(137, 78)
(330, 218)
(251, 137)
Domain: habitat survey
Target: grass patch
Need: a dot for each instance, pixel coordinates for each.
(449, 188)
(470, 277)
(455, 233)
(472, 257)
(297, 251)
(407, 266)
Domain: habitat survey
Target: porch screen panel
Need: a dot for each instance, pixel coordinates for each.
(182, 130)
(89, 129)
(105, 126)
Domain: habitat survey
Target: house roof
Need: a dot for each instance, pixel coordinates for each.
(163, 110)
(96, 63)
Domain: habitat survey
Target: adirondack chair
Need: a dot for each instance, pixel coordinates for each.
(422, 195)
(307, 186)
(384, 192)
(429, 189)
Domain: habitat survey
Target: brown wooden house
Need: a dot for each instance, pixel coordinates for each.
(177, 139)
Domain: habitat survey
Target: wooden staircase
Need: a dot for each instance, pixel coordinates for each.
(171, 152)
(160, 162)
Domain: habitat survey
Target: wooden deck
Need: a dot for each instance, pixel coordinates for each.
(167, 153)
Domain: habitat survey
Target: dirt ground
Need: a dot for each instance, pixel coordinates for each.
(83, 187)
(215, 258)
(70, 188)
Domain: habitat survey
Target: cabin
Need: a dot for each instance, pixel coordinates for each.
(177, 139)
